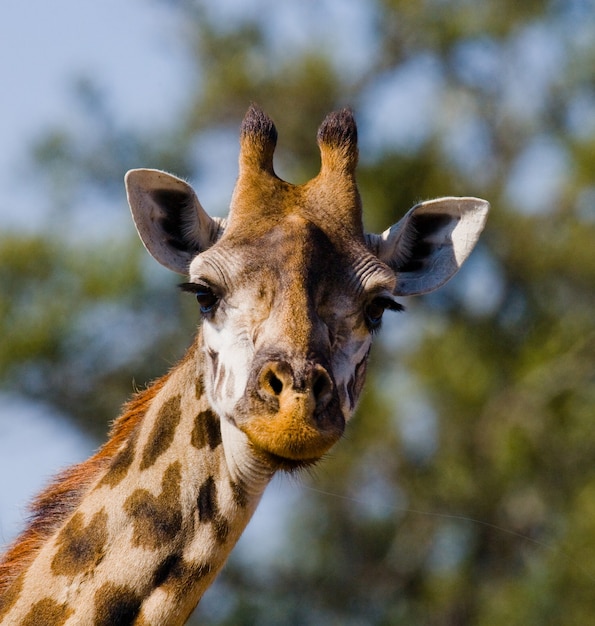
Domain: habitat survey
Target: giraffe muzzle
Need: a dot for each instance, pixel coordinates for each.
(292, 411)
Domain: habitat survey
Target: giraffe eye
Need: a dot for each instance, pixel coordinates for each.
(206, 299)
(373, 314)
(205, 296)
(375, 310)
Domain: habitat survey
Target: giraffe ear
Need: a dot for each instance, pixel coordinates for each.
(169, 218)
(428, 246)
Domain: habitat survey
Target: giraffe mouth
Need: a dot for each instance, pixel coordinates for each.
(283, 464)
(291, 435)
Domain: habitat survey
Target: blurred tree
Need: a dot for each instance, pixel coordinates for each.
(464, 492)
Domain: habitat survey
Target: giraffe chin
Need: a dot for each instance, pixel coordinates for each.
(293, 436)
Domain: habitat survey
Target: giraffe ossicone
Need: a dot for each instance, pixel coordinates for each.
(290, 291)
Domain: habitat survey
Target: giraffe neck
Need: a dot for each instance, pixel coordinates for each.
(155, 514)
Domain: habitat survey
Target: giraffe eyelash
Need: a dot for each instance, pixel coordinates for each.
(392, 305)
(194, 288)
(376, 308)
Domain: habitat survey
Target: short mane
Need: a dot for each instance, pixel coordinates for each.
(62, 496)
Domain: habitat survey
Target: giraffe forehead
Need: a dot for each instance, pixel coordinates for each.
(292, 254)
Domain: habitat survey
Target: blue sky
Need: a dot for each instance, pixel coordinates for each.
(130, 48)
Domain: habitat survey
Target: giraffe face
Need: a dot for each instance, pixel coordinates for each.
(290, 287)
(288, 317)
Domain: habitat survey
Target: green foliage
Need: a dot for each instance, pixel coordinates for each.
(464, 491)
(78, 318)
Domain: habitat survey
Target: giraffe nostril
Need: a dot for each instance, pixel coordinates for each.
(319, 386)
(322, 387)
(274, 383)
(275, 377)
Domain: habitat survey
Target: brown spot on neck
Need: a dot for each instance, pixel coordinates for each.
(206, 431)
(157, 520)
(47, 612)
(208, 509)
(121, 463)
(11, 595)
(80, 547)
(163, 431)
(175, 573)
(180, 579)
(240, 497)
(116, 604)
(199, 387)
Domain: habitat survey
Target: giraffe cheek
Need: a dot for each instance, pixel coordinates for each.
(228, 387)
(225, 373)
(351, 390)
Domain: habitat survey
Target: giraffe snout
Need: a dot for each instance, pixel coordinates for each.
(291, 410)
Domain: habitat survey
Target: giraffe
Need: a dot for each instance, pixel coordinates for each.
(290, 291)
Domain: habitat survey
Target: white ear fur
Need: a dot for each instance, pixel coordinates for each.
(428, 246)
(169, 218)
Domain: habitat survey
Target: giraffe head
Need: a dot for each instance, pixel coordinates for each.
(290, 288)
